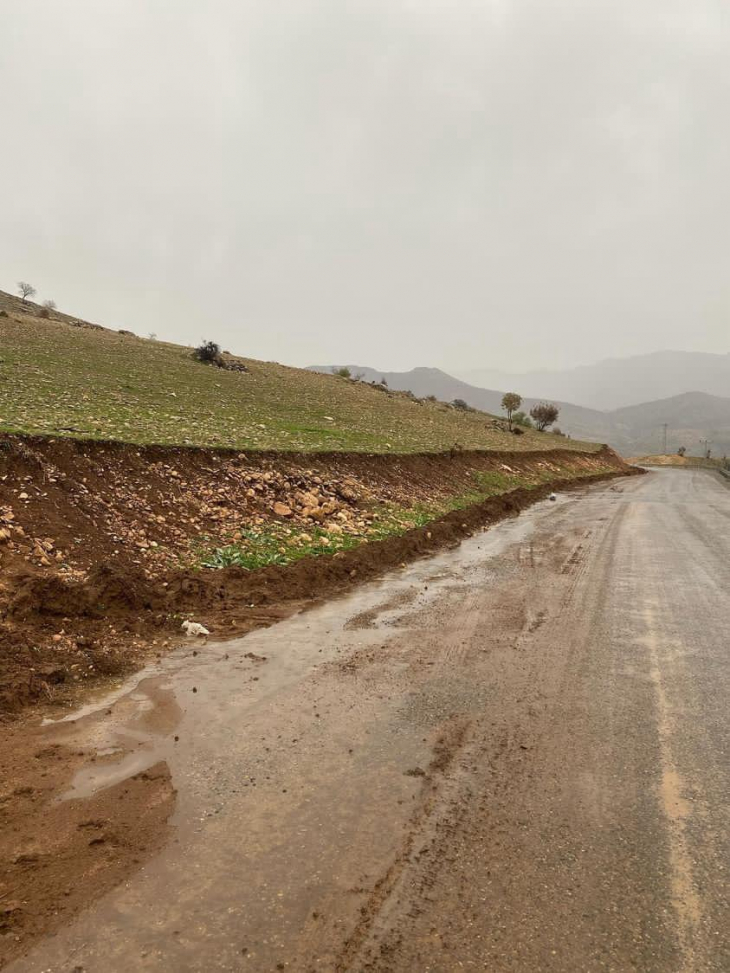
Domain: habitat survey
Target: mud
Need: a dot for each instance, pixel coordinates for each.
(92, 576)
(99, 779)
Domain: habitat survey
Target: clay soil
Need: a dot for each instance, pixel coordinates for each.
(96, 569)
(94, 583)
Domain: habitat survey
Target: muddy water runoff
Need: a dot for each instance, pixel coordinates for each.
(286, 763)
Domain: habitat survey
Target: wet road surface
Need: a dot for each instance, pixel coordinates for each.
(512, 756)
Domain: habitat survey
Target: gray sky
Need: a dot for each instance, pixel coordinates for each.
(459, 183)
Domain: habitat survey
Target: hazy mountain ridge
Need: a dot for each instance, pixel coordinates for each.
(632, 430)
(615, 383)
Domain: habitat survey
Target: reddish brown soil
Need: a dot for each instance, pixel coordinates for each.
(106, 604)
(57, 856)
(93, 536)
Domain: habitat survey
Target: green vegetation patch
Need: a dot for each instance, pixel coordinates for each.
(281, 544)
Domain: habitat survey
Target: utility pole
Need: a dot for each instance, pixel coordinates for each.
(664, 439)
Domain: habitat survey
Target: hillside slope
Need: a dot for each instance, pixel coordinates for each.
(82, 381)
(690, 417)
(588, 424)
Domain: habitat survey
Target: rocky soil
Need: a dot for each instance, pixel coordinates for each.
(101, 544)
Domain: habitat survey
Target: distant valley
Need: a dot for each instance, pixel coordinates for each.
(636, 429)
(615, 383)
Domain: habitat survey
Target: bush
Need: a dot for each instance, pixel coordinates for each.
(522, 420)
(544, 414)
(209, 352)
(343, 372)
(431, 398)
(460, 404)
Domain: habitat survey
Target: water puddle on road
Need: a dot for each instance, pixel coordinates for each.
(291, 769)
(215, 686)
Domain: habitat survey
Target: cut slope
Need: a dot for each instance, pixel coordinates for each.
(87, 382)
(104, 546)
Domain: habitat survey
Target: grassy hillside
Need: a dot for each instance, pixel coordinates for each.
(67, 379)
(574, 420)
(637, 429)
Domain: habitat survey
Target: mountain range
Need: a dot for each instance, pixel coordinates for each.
(617, 382)
(633, 429)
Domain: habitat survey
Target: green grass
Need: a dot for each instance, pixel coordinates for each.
(68, 381)
(281, 544)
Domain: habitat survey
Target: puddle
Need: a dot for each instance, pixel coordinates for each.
(289, 775)
(189, 703)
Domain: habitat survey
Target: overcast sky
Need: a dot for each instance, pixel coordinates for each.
(462, 183)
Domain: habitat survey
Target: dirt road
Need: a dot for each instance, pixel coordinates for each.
(509, 757)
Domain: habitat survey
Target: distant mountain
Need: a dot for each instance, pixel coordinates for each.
(583, 423)
(633, 430)
(690, 417)
(618, 382)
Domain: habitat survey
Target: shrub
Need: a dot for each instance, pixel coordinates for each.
(342, 372)
(460, 404)
(209, 352)
(431, 398)
(544, 414)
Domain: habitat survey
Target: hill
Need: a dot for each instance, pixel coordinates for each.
(61, 376)
(616, 383)
(589, 424)
(690, 416)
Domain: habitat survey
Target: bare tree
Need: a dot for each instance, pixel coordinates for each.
(26, 290)
(51, 305)
(511, 401)
(544, 414)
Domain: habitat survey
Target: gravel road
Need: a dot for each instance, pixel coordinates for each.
(513, 756)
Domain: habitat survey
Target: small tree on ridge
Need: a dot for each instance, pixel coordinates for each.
(511, 402)
(26, 290)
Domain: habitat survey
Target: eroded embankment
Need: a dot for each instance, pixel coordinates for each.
(101, 544)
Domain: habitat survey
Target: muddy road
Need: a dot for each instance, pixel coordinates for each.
(513, 756)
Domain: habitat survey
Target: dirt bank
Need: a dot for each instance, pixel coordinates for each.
(99, 541)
